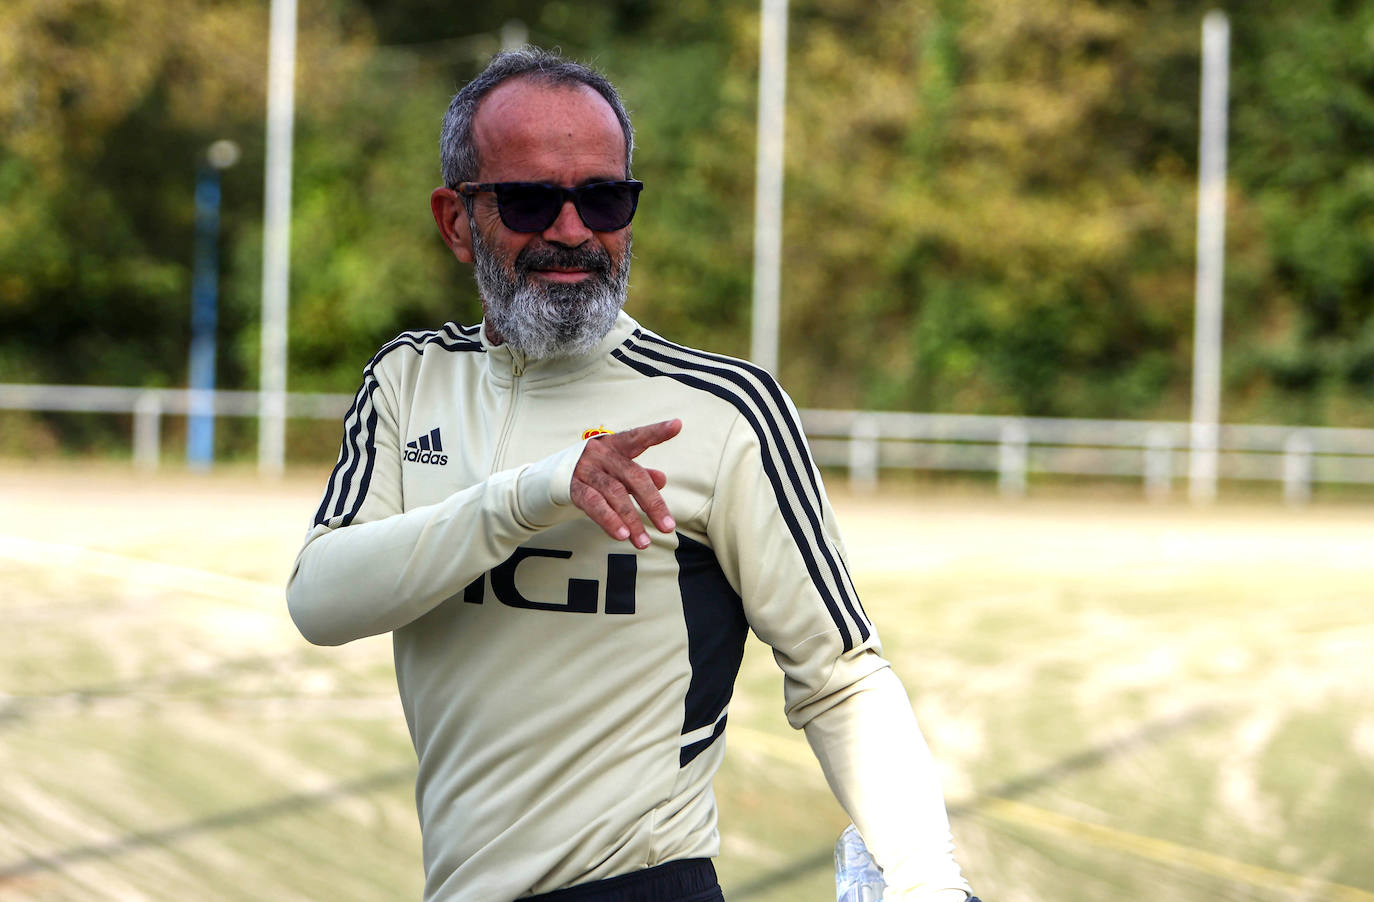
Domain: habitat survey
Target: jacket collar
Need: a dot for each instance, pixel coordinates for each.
(504, 363)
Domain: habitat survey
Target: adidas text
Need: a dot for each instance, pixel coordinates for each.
(427, 449)
(426, 457)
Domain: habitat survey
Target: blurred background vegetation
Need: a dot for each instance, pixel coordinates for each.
(990, 206)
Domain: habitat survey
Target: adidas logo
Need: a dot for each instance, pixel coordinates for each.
(427, 449)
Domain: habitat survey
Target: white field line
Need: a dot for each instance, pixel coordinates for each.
(227, 589)
(1162, 851)
(1167, 853)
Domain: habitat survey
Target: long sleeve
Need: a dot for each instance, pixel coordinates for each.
(375, 577)
(881, 771)
(368, 567)
(776, 534)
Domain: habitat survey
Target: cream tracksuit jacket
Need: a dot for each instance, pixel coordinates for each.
(566, 693)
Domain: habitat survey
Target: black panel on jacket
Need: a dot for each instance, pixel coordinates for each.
(716, 630)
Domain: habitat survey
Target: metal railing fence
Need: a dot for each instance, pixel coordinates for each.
(867, 442)
(149, 405)
(1155, 451)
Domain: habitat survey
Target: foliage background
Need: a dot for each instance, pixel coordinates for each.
(990, 207)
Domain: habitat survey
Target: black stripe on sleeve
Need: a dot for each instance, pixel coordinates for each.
(803, 450)
(741, 369)
(464, 333)
(739, 393)
(367, 453)
(739, 373)
(359, 445)
(850, 581)
(358, 448)
(331, 485)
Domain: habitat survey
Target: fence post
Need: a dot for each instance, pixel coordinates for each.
(1011, 459)
(1159, 465)
(863, 454)
(147, 429)
(1297, 468)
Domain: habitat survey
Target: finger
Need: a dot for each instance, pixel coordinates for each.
(594, 505)
(627, 520)
(596, 481)
(644, 487)
(605, 470)
(633, 442)
(616, 512)
(617, 495)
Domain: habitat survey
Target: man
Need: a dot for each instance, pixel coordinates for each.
(565, 667)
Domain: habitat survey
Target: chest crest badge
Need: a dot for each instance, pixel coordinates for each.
(597, 430)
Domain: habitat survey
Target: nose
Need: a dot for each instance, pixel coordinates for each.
(568, 229)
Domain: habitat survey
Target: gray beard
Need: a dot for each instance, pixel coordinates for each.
(550, 319)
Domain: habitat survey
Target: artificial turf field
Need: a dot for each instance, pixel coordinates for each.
(1128, 701)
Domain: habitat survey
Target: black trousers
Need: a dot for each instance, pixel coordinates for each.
(686, 880)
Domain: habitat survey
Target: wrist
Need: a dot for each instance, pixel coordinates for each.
(543, 489)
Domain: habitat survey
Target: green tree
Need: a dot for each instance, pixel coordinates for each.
(990, 207)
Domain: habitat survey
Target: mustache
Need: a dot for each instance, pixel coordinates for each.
(547, 256)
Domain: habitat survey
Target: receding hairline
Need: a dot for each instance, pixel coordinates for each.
(550, 82)
(457, 154)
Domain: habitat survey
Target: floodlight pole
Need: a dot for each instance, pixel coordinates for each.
(1211, 248)
(768, 183)
(200, 423)
(276, 238)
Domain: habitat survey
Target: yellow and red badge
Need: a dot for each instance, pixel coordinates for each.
(597, 430)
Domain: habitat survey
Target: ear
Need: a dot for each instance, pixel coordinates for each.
(451, 215)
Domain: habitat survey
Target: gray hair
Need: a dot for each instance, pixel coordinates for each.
(457, 150)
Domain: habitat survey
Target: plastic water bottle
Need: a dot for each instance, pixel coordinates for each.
(857, 876)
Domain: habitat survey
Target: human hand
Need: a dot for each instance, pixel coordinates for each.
(606, 478)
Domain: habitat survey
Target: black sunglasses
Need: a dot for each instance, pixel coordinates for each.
(533, 206)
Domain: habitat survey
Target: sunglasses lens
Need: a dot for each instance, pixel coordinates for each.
(532, 207)
(609, 206)
(528, 208)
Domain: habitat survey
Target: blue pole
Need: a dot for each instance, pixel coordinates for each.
(200, 428)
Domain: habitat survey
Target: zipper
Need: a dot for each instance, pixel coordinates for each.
(517, 370)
